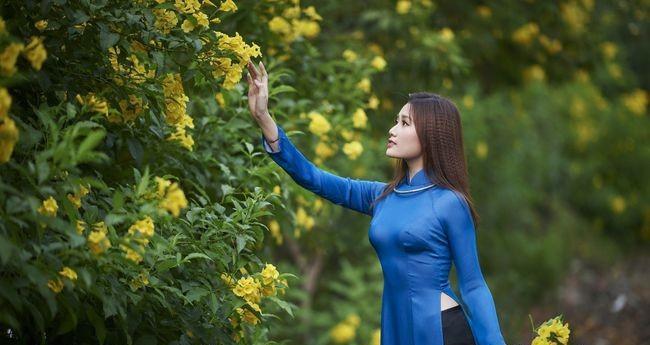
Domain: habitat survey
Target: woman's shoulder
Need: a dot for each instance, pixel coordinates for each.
(447, 199)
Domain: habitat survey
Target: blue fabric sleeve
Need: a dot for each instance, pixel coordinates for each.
(477, 299)
(350, 193)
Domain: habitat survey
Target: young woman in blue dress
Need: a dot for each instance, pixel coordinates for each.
(418, 305)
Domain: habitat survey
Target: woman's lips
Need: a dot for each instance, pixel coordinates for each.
(390, 144)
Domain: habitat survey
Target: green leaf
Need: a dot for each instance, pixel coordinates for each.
(282, 304)
(280, 89)
(196, 255)
(107, 39)
(98, 324)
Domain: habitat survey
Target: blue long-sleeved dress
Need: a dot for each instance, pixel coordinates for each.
(417, 236)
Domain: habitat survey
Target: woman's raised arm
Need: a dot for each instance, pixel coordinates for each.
(350, 193)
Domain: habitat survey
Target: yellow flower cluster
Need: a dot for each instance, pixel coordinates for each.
(359, 118)
(552, 332)
(373, 102)
(618, 204)
(446, 34)
(323, 151)
(378, 63)
(353, 149)
(8, 58)
(534, 73)
(576, 15)
(166, 20)
(95, 103)
(345, 330)
(224, 66)
(319, 124)
(636, 102)
(48, 207)
(8, 132)
(350, 55)
(41, 25)
(68, 273)
(176, 110)
(291, 27)
(525, 34)
(252, 289)
(75, 198)
(375, 338)
(57, 285)
(403, 6)
(274, 227)
(481, 149)
(97, 240)
(364, 85)
(553, 46)
(35, 52)
(141, 280)
(304, 220)
(172, 198)
(140, 232)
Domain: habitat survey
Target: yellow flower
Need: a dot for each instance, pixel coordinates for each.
(274, 227)
(228, 5)
(131, 254)
(8, 137)
(55, 285)
(574, 16)
(636, 102)
(276, 189)
(349, 55)
(269, 274)
(68, 273)
(41, 24)
(342, 333)
(187, 26)
(304, 220)
(172, 199)
(609, 49)
(525, 33)
(468, 101)
(165, 20)
(35, 52)
(376, 337)
(220, 100)
(306, 28)
(403, 6)
(373, 102)
(97, 240)
(49, 207)
(553, 46)
(142, 230)
(94, 103)
(554, 327)
(617, 203)
(187, 6)
(353, 149)
(353, 319)
(80, 226)
(378, 63)
(534, 73)
(279, 25)
(5, 103)
(311, 13)
(484, 11)
(446, 34)
(364, 85)
(481, 150)
(359, 118)
(75, 200)
(323, 150)
(8, 58)
(319, 124)
(248, 288)
(201, 19)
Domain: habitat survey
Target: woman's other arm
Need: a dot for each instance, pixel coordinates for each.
(456, 218)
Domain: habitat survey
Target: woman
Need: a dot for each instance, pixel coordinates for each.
(422, 221)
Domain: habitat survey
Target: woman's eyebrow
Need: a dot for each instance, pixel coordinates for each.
(404, 115)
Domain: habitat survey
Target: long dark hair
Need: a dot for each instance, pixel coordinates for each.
(438, 126)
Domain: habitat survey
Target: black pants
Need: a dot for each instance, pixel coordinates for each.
(455, 328)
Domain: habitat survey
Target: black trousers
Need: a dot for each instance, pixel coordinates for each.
(455, 328)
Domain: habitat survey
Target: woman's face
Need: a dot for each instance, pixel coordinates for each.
(405, 143)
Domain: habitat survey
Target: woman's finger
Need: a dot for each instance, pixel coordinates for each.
(264, 74)
(253, 70)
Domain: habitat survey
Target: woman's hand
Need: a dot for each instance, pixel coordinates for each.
(258, 91)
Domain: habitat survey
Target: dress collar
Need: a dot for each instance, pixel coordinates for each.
(419, 179)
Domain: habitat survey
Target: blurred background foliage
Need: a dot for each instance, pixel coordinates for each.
(553, 99)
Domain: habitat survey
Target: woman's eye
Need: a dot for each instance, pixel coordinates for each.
(404, 122)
